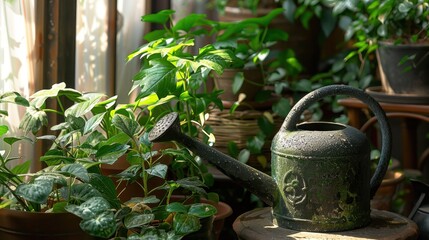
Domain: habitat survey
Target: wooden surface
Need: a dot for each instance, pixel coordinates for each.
(257, 225)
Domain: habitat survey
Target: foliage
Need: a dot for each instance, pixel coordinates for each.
(368, 22)
(92, 131)
(303, 11)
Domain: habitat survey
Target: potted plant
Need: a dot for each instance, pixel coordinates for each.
(72, 182)
(172, 78)
(68, 176)
(398, 32)
(302, 20)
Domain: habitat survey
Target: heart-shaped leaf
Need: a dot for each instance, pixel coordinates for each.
(37, 192)
(90, 209)
(102, 225)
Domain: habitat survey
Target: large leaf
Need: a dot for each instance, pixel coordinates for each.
(103, 225)
(58, 89)
(110, 153)
(90, 208)
(37, 191)
(77, 170)
(106, 188)
(127, 125)
(160, 78)
(184, 223)
(79, 109)
(33, 120)
(80, 192)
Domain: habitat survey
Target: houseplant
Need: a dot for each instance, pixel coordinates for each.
(68, 176)
(308, 23)
(387, 27)
(71, 181)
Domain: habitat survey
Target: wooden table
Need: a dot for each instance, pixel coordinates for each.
(410, 114)
(257, 225)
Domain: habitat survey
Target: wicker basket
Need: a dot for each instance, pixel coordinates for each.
(238, 127)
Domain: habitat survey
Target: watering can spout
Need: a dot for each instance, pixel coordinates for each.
(259, 183)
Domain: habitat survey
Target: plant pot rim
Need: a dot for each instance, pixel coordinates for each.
(390, 43)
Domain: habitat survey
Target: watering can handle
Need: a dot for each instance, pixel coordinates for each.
(294, 116)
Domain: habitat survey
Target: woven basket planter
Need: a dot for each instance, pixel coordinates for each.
(238, 127)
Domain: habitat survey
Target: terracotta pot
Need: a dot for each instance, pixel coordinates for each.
(385, 193)
(20, 225)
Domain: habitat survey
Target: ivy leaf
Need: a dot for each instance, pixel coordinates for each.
(90, 208)
(103, 225)
(37, 191)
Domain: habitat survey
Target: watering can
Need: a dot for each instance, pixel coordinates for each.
(321, 179)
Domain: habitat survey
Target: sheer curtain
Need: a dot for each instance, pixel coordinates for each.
(16, 62)
(92, 45)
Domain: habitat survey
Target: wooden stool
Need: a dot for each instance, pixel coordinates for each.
(257, 225)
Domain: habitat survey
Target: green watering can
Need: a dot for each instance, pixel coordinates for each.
(321, 178)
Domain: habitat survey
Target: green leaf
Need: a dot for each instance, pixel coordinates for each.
(135, 219)
(22, 168)
(176, 207)
(103, 225)
(289, 10)
(52, 160)
(90, 208)
(93, 123)
(202, 210)
(37, 191)
(33, 120)
(185, 223)
(110, 153)
(244, 156)
(80, 109)
(105, 186)
(160, 78)
(159, 170)
(14, 97)
(160, 17)
(237, 82)
(185, 24)
(79, 193)
(127, 125)
(282, 107)
(77, 170)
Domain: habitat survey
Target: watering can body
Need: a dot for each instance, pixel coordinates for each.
(321, 177)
